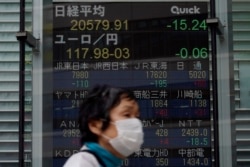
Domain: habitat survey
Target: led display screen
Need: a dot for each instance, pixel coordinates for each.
(160, 51)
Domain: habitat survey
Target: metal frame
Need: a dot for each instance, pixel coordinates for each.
(227, 142)
(24, 38)
(37, 87)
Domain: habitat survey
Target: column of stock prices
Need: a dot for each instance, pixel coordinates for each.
(157, 49)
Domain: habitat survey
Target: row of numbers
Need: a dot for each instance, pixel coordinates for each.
(191, 132)
(118, 25)
(151, 74)
(185, 161)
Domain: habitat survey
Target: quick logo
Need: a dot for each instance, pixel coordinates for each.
(179, 10)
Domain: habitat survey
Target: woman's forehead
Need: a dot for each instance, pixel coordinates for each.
(127, 104)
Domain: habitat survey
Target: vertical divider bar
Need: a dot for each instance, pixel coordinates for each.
(214, 85)
(21, 85)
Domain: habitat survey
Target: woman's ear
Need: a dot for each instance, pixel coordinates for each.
(95, 126)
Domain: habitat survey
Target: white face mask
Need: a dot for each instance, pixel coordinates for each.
(129, 138)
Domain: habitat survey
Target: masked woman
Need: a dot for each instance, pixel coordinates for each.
(110, 128)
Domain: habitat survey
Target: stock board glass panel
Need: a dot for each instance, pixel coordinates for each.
(157, 49)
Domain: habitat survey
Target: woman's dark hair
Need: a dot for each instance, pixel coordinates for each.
(97, 106)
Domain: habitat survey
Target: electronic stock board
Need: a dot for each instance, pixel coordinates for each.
(159, 50)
